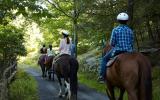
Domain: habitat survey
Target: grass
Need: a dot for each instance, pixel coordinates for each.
(89, 79)
(156, 83)
(24, 87)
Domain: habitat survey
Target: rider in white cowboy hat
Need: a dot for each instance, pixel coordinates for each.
(122, 40)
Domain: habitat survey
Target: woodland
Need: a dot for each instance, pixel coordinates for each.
(25, 25)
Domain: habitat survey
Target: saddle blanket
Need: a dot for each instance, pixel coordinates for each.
(111, 61)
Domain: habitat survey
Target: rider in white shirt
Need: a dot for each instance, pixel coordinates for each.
(50, 52)
(65, 43)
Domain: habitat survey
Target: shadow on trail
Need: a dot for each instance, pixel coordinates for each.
(48, 90)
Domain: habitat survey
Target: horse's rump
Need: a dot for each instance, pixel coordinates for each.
(61, 65)
(131, 71)
(66, 67)
(48, 61)
(41, 59)
(123, 63)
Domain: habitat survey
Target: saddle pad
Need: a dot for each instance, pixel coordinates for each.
(110, 62)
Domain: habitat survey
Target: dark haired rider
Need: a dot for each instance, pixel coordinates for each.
(43, 50)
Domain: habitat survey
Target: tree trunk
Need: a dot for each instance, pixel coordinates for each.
(130, 13)
(75, 35)
(75, 17)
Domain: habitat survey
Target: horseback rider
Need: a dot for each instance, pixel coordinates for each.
(122, 40)
(65, 43)
(42, 58)
(50, 53)
(43, 50)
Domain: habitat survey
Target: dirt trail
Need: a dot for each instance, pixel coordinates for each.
(48, 90)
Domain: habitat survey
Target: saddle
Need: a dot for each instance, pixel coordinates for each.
(111, 61)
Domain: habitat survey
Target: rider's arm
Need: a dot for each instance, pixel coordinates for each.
(48, 51)
(113, 38)
(132, 39)
(61, 45)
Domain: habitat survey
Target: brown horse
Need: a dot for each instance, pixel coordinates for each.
(46, 65)
(130, 72)
(66, 67)
(41, 62)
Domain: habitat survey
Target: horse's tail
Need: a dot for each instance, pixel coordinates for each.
(145, 87)
(73, 75)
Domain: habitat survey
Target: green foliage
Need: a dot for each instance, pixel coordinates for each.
(31, 9)
(156, 82)
(23, 88)
(11, 45)
(11, 41)
(83, 48)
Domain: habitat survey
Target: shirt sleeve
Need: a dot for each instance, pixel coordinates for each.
(132, 38)
(71, 44)
(113, 38)
(61, 45)
(47, 51)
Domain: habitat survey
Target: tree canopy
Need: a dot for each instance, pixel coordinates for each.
(89, 22)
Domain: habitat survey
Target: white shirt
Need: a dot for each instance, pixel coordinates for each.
(50, 52)
(64, 47)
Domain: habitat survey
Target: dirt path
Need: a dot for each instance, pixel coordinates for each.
(48, 90)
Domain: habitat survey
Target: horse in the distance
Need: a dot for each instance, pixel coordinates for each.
(66, 68)
(130, 72)
(41, 62)
(46, 65)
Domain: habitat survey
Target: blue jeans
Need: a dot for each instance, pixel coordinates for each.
(104, 61)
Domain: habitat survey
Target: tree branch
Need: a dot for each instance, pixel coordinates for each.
(57, 6)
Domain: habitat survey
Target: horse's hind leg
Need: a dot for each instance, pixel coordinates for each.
(60, 83)
(121, 94)
(110, 92)
(43, 70)
(132, 95)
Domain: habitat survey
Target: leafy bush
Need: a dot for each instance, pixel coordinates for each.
(11, 40)
(83, 49)
(11, 45)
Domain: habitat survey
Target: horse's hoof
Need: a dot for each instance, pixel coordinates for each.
(66, 94)
(60, 96)
(45, 75)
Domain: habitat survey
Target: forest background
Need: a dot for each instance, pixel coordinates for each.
(25, 25)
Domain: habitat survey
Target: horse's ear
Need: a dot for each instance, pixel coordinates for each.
(108, 44)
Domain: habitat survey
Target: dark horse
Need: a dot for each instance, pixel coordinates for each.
(66, 67)
(41, 62)
(46, 65)
(130, 72)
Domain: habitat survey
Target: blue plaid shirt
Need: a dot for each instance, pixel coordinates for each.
(122, 39)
